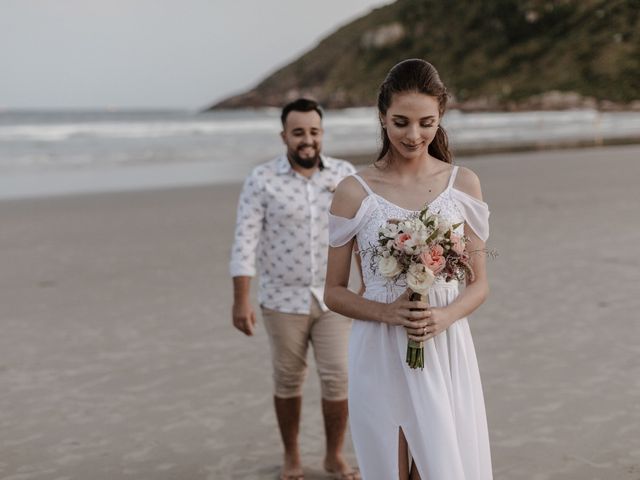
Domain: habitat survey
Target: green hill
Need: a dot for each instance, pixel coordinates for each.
(492, 54)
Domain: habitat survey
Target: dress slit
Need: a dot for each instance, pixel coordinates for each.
(410, 462)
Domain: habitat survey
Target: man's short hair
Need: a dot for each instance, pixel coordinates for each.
(300, 105)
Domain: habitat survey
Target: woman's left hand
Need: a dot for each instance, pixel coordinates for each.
(438, 320)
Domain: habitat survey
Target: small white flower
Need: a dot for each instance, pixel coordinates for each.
(439, 237)
(412, 247)
(389, 230)
(389, 267)
(421, 236)
(444, 225)
(429, 220)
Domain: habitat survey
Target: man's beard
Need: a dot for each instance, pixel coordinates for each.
(306, 163)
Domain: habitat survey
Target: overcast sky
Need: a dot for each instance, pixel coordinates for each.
(153, 53)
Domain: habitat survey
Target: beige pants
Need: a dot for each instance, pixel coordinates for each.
(289, 337)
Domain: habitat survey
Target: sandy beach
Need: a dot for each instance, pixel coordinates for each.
(118, 359)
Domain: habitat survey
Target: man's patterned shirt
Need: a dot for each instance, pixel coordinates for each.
(283, 220)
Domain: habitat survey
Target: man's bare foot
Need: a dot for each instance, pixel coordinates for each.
(292, 468)
(340, 469)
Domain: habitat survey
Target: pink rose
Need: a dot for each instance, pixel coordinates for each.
(434, 259)
(400, 240)
(457, 243)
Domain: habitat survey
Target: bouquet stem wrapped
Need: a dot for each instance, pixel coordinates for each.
(415, 349)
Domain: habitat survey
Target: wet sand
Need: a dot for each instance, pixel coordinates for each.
(118, 360)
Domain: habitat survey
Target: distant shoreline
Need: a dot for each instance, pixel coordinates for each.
(138, 178)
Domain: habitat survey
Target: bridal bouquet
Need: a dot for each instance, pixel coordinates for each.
(420, 249)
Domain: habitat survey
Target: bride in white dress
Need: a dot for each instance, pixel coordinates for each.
(408, 423)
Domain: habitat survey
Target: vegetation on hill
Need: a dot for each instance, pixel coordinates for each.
(492, 54)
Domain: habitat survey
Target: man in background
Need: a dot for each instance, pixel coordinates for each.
(283, 218)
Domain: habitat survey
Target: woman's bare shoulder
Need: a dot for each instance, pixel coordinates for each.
(468, 182)
(348, 197)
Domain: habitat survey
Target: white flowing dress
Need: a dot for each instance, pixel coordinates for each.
(440, 408)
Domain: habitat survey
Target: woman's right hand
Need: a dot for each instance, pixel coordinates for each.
(414, 316)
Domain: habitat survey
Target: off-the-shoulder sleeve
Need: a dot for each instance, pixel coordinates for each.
(341, 229)
(475, 212)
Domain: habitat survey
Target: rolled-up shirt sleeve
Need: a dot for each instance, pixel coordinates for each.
(249, 223)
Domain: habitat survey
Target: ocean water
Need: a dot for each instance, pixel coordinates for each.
(67, 152)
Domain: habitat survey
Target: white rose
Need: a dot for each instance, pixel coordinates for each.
(420, 278)
(389, 267)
